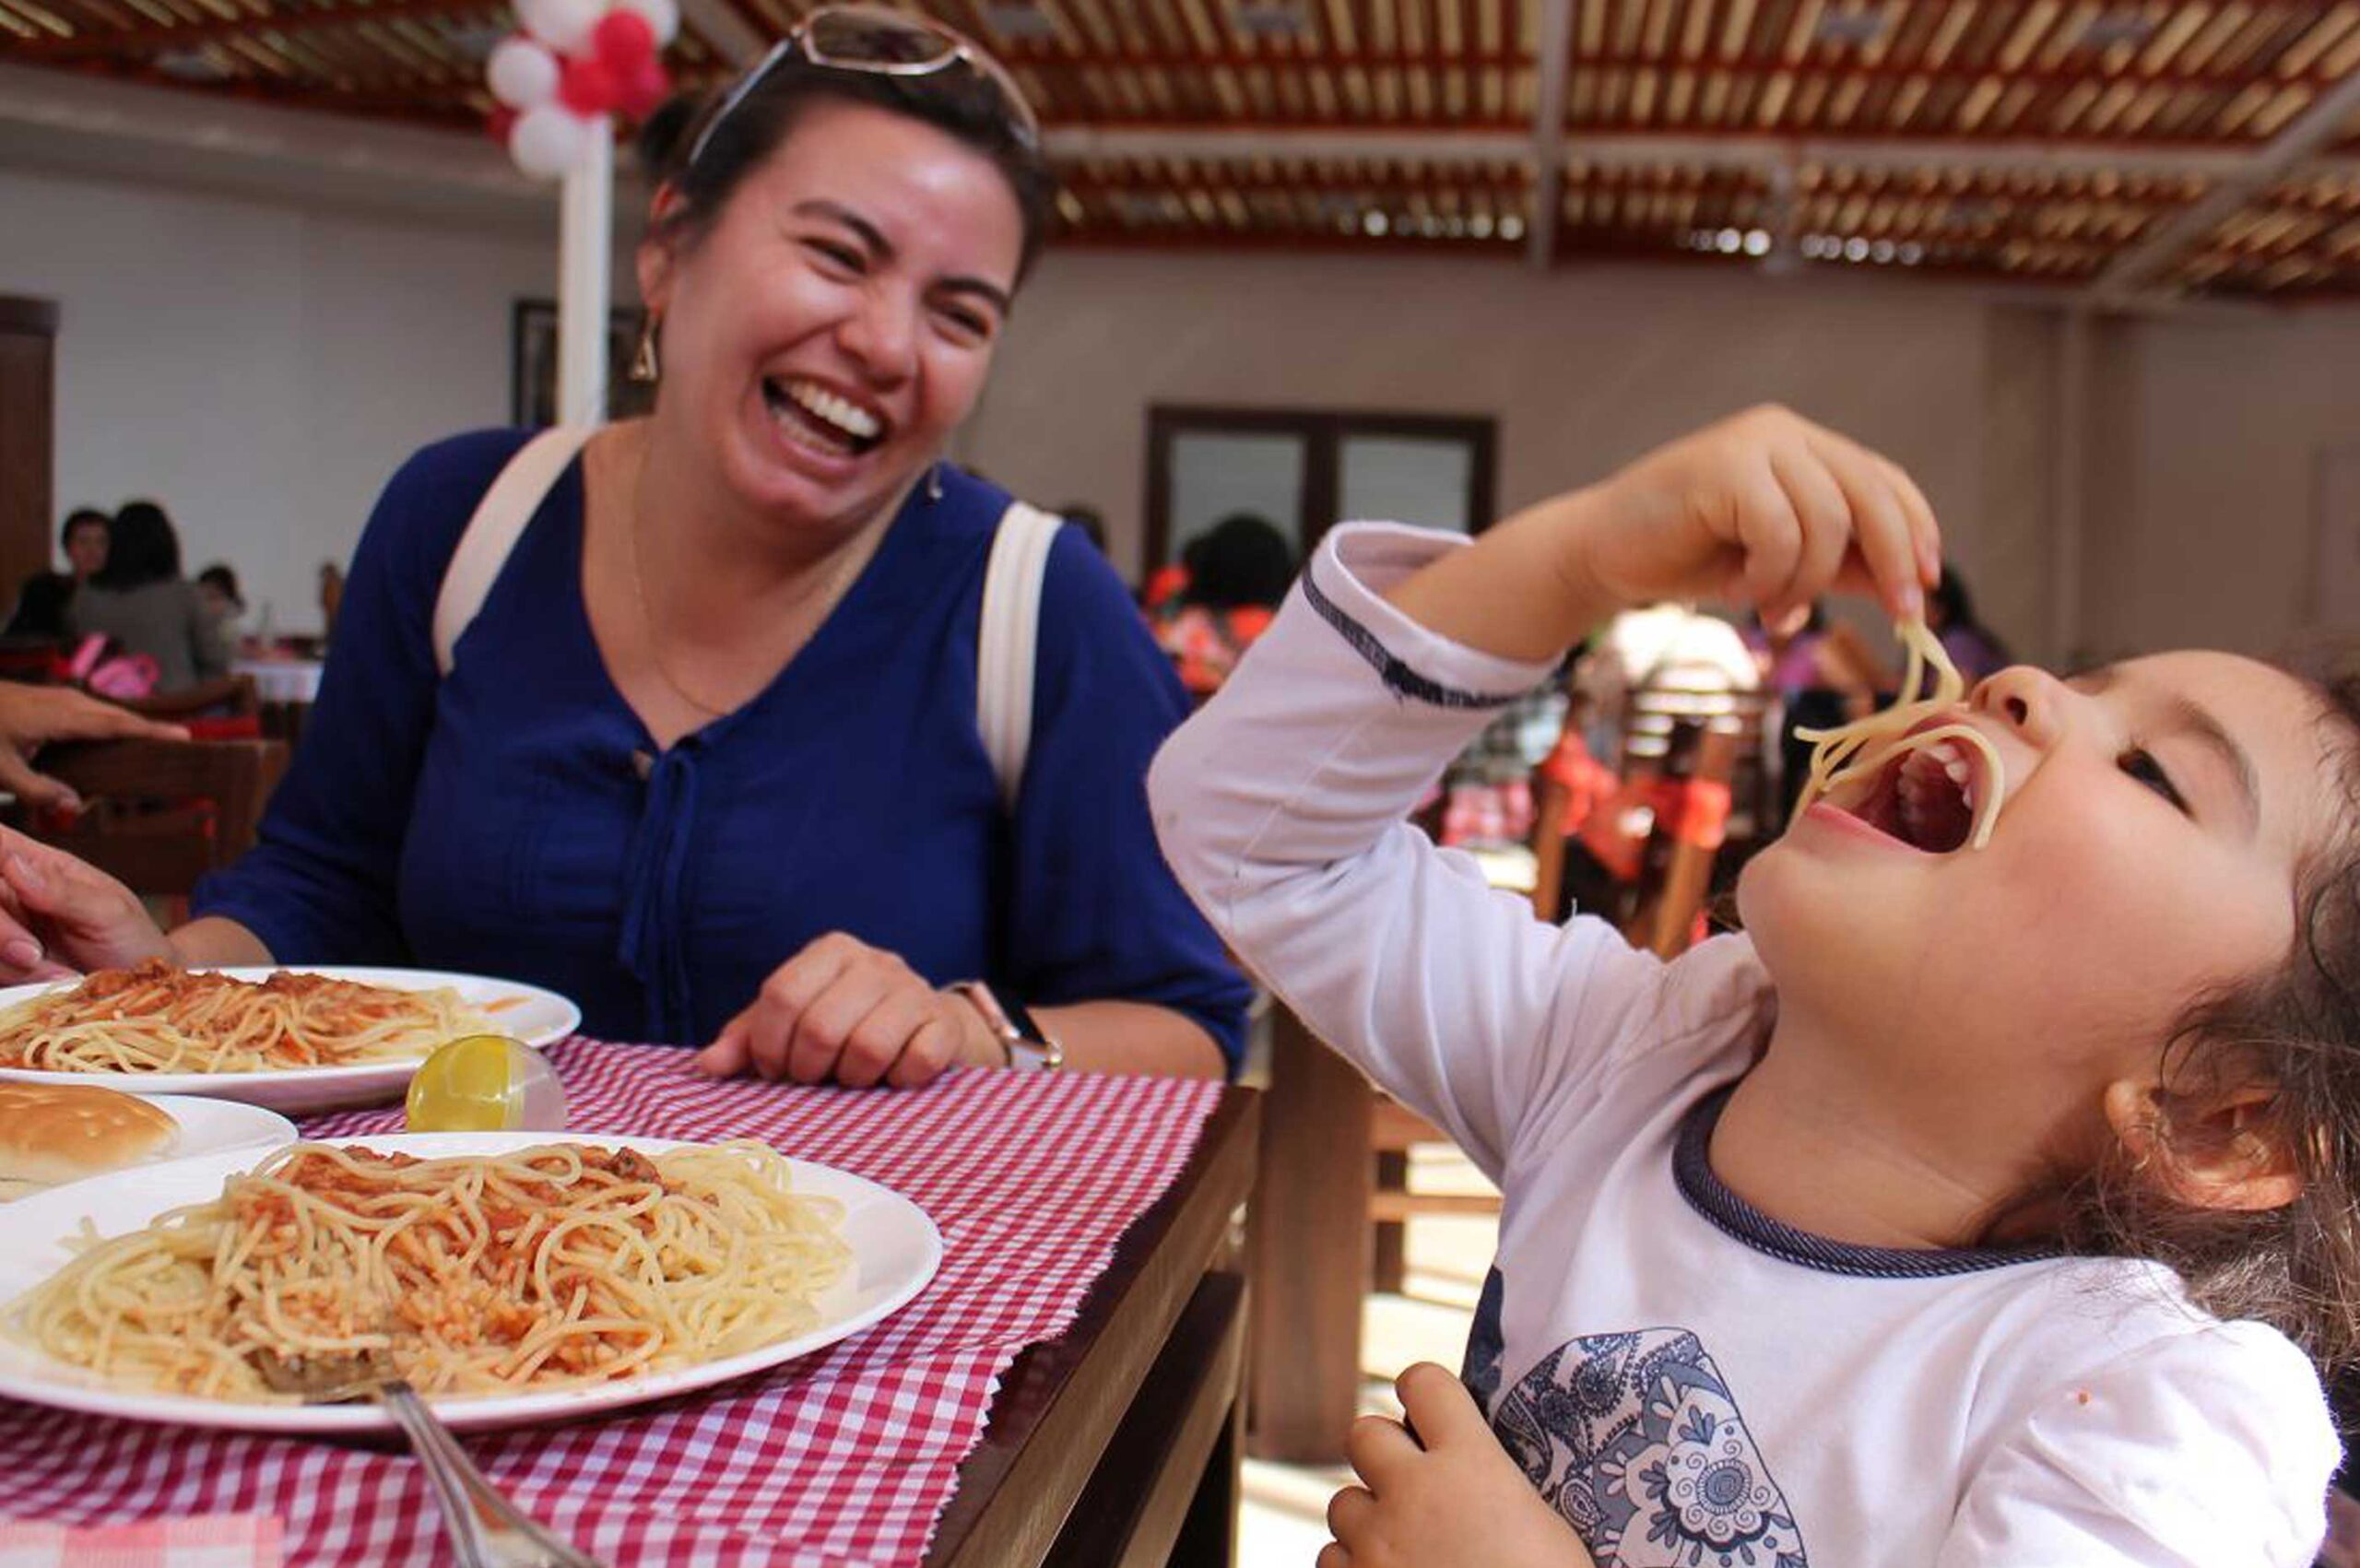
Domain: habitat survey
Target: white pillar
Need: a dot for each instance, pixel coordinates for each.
(585, 245)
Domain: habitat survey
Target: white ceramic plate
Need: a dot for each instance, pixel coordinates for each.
(536, 1017)
(210, 1126)
(895, 1251)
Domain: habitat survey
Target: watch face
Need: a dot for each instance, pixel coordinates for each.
(1018, 1019)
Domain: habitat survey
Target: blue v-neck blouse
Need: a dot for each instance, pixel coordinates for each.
(516, 818)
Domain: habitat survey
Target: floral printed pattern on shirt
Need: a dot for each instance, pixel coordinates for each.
(1637, 1441)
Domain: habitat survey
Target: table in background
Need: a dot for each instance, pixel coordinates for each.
(287, 689)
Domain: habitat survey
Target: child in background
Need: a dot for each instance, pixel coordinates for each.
(1978, 1205)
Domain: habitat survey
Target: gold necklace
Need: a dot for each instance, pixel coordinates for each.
(647, 618)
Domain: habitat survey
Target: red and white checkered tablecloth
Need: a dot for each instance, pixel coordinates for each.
(846, 1456)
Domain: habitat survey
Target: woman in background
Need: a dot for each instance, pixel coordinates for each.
(141, 601)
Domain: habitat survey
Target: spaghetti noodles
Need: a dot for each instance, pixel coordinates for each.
(1861, 751)
(548, 1268)
(157, 1019)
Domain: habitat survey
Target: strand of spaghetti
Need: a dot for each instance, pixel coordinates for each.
(548, 1268)
(155, 1019)
(1861, 748)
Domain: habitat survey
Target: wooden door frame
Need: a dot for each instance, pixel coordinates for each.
(1323, 433)
(28, 447)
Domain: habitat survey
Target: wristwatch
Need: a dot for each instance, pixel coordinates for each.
(1025, 1043)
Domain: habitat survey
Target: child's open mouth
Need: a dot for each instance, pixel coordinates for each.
(1925, 795)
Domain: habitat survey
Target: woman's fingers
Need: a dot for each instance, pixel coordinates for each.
(931, 1052)
(729, 1054)
(876, 1043)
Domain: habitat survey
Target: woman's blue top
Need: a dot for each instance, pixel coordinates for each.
(514, 818)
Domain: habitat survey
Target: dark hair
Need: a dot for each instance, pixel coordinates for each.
(1086, 518)
(221, 577)
(141, 547)
(1244, 560)
(962, 103)
(77, 518)
(2297, 1030)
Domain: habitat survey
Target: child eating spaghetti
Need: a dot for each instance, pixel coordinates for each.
(1988, 1201)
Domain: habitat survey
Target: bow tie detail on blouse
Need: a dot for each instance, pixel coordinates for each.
(654, 945)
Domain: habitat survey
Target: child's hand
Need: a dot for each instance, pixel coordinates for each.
(1457, 1501)
(1765, 508)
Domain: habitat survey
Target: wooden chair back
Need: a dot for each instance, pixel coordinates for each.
(1691, 824)
(139, 825)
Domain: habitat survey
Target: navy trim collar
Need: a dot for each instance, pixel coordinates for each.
(1691, 1169)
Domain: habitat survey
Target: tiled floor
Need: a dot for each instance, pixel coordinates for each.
(1282, 1524)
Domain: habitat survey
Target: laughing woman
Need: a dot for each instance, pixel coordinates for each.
(707, 757)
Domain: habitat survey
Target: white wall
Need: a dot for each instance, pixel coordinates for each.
(1583, 369)
(259, 367)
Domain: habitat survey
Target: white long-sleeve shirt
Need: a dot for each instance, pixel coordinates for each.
(1688, 1380)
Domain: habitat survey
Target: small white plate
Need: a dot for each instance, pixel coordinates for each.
(537, 1018)
(895, 1252)
(207, 1127)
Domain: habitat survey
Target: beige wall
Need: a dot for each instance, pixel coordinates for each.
(2207, 438)
(1582, 371)
(2203, 432)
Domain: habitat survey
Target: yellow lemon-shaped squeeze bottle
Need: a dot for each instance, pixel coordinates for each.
(485, 1083)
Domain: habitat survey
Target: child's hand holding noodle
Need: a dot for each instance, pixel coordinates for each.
(1980, 1203)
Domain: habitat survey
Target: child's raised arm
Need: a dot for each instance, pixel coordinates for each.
(1282, 806)
(1764, 508)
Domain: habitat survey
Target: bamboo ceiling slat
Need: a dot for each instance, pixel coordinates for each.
(2144, 76)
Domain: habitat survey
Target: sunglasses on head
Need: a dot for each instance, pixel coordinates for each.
(870, 41)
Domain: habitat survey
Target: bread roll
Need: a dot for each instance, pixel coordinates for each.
(51, 1133)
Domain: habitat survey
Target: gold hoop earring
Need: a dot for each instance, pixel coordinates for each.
(643, 368)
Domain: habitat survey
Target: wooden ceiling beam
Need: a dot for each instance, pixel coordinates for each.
(1052, 58)
(2129, 160)
(99, 44)
(2316, 128)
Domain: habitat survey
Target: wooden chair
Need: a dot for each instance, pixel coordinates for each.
(227, 708)
(139, 825)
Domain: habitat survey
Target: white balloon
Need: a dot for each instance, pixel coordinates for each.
(548, 141)
(523, 74)
(563, 25)
(662, 16)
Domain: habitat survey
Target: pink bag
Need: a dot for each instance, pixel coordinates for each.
(112, 673)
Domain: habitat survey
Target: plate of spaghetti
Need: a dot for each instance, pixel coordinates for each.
(296, 1039)
(510, 1277)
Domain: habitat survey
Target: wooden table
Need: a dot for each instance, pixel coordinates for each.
(1116, 1445)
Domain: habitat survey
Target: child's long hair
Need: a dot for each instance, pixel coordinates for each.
(2296, 1028)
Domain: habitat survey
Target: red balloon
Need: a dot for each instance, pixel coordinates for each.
(502, 121)
(645, 90)
(622, 39)
(589, 87)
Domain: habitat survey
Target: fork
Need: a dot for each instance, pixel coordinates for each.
(485, 1528)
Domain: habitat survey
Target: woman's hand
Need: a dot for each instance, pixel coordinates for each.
(842, 1010)
(59, 915)
(1448, 1497)
(1765, 508)
(31, 716)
